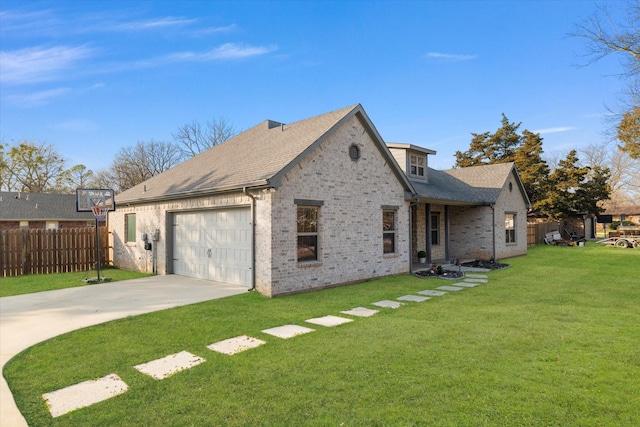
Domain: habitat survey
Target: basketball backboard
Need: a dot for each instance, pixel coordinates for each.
(87, 198)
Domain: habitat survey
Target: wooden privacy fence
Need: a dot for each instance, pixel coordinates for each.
(40, 251)
(536, 232)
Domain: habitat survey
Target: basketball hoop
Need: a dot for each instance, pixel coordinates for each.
(100, 212)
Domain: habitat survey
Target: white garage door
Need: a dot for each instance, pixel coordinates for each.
(213, 245)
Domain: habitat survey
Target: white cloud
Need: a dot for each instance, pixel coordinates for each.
(37, 64)
(225, 51)
(554, 130)
(449, 57)
(151, 24)
(35, 99)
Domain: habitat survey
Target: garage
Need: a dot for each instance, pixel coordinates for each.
(213, 245)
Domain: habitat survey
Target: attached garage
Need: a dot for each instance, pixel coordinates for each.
(214, 245)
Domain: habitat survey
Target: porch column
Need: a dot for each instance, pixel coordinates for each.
(447, 255)
(427, 209)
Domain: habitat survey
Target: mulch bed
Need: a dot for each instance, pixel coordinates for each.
(491, 265)
(446, 274)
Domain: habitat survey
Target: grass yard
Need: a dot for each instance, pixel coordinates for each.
(552, 341)
(29, 284)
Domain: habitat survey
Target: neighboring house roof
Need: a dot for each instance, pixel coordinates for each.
(623, 210)
(256, 158)
(468, 186)
(20, 206)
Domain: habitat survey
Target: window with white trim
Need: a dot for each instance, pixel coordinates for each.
(389, 231)
(417, 165)
(510, 227)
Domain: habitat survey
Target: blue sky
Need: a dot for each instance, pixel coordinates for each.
(91, 77)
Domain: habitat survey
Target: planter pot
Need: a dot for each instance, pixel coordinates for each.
(422, 260)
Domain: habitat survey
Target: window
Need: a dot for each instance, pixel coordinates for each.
(417, 165)
(307, 233)
(129, 228)
(510, 227)
(389, 231)
(435, 228)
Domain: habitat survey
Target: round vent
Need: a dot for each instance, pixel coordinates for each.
(354, 152)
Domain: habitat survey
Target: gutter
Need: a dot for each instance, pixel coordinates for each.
(253, 238)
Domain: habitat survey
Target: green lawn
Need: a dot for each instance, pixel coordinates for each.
(552, 341)
(29, 284)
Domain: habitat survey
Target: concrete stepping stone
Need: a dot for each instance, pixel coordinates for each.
(235, 345)
(166, 366)
(476, 280)
(412, 298)
(287, 331)
(360, 312)
(450, 288)
(84, 394)
(329, 321)
(467, 284)
(432, 293)
(476, 276)
(388, 304)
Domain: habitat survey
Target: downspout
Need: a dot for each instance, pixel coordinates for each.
(253, 237)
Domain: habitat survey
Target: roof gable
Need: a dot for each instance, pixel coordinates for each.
(471, 185)
(258, 157)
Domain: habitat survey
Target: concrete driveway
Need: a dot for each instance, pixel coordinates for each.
(26, 320)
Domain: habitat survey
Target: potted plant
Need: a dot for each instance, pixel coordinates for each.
(422, 257)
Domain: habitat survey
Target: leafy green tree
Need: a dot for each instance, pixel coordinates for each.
(629, 132)
(32, 167)
(506, 145)
(572, 188)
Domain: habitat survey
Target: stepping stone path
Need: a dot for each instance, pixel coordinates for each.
(450, 288)
(87, 393)
(360, 312)
(287, 331)
(84, 394)
(169, 365)
(329, 321)
(432, 293)
(466, 284)
(413, 298)
(388, 304)
(476, 280)
(235, 345)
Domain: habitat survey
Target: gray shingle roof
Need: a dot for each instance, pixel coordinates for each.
(16, 206)
(471, 185)
(257, 157)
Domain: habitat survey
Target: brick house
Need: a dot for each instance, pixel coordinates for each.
(41, 210)
(285, 208)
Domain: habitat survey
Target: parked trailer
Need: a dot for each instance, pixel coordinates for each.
(622, 241)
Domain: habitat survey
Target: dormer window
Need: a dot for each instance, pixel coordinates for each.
(417, 165)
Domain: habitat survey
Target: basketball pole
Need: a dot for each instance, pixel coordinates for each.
(97, 250)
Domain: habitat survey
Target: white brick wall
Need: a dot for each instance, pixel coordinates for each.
(350, 223)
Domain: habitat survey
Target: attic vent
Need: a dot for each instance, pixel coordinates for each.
(273, 124)
(354, 152)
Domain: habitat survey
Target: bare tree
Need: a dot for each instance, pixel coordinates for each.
(192, 139)
(625, 186)
(605, 36)
(140, 162)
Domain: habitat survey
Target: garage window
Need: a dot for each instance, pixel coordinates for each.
(130, 228)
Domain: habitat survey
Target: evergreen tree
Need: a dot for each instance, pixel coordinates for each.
(506, 145)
